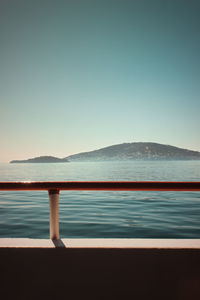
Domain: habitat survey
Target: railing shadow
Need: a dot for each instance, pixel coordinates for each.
(58, 243)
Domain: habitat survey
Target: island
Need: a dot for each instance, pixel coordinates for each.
(137, 151)
(125, 151)
(41, 159)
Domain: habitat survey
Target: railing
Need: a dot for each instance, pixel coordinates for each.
(54, 188)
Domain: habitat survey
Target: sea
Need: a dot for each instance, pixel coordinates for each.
(107, 214)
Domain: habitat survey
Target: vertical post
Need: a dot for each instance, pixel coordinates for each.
(54, 214)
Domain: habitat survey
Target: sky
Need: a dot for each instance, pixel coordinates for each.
(81, 75)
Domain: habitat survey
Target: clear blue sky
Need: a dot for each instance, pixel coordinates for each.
(80, 75)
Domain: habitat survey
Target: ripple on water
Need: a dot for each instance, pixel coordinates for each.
(85, 214)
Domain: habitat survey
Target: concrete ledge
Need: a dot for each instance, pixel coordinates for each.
(102, 243)
(25, 243)
(133, 243)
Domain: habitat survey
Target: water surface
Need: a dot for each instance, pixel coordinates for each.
(97, 214)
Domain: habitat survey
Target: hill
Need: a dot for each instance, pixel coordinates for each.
(137, 151)
(41, 159)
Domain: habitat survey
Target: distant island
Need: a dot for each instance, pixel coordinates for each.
(125, 151)
(137, 151)
(41, 159)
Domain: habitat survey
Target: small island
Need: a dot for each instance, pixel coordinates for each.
(41, 159)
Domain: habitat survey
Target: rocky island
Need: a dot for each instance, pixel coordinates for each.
(125, 151)
(137, 151)
(41, 159)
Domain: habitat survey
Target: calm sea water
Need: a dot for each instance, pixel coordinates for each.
(97, 214)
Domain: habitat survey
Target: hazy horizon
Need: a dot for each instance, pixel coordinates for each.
(82, 75)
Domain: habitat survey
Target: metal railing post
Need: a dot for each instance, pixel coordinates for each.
(54, 214)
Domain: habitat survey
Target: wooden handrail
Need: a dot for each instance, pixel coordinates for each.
(101, 185)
